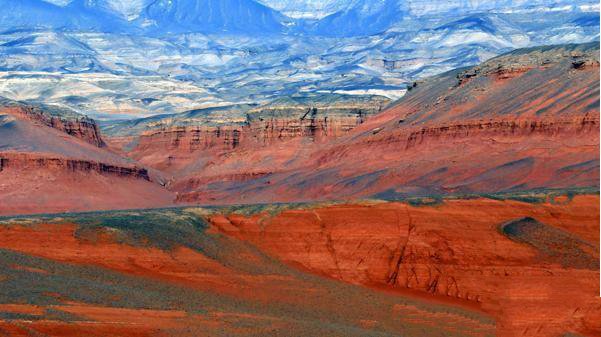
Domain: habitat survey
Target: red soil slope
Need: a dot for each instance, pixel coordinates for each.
(526, 120)
(84, 278)
(539, 281)
(475, 267)
(49, 164)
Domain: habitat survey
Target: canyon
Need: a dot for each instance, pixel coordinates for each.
(468, 207)
(452, 134)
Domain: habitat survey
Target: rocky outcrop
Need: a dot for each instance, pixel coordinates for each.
(309, 126)
(192, 138)
(68, 122)
(257, 132)
(505, 128)
(83, 128)
(173, 142)
(314, 118)
(324, 118)
(25, 161)
(458, 249)
(523, 60)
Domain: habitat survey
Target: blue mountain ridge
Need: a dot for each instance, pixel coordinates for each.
(211, 16)
(80, 15)
(158, 17)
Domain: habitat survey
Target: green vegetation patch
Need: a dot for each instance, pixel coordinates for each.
(534, 196)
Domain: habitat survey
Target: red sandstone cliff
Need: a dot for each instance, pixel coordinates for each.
(25, 161)
(302, 120)
(78, 126)
(527, 120)
(53, 164)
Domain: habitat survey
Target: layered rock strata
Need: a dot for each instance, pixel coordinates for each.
(25, 161)
(65, 121)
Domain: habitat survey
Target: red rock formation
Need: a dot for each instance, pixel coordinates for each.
(320, 129)
(532, 266)
(518, 128)
(519, 122)
(80, 127)
(24, 161)
(472, 157)
(178, 147)
(453, 250)
(190, 139)
(42, 169)
(203, 284)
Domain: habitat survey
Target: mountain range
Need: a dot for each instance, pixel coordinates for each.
(332, 18)
(114, 59)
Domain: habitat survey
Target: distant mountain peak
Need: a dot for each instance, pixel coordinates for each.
(78, 15)
(126, 9)
(246, 16)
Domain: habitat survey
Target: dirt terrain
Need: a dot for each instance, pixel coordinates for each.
(527, 120)
(170, 273)
(470, 207)
(477, 267)
(522, 121)
(56, 161)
